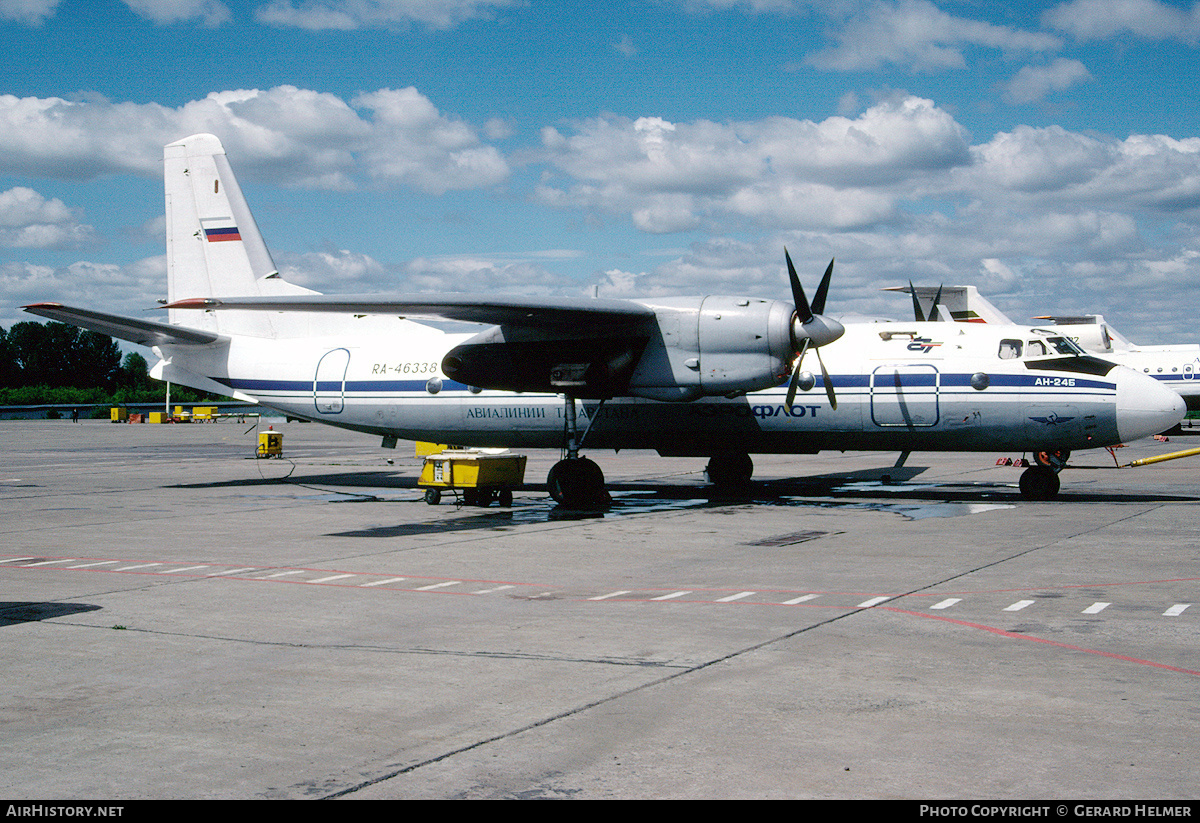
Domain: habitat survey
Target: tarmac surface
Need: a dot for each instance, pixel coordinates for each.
(181, 620)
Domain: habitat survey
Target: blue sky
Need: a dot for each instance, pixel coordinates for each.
(1046, 152)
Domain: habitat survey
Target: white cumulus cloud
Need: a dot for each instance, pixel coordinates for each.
(294, 136)
(209, 12)
(918, 35)
(1148, 19)
(29, 220)
(347, 15)
(838, 173)
(1034, 83)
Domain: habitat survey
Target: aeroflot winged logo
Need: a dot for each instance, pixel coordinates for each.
(1051, 419)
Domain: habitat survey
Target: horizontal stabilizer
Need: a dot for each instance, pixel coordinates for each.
(142, 332)
(543, 312)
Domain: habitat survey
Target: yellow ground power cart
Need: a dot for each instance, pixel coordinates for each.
(270, 444)
(480, 477)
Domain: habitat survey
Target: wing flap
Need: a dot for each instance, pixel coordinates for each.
(142, 332)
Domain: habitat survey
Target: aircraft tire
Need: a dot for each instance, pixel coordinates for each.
(1039, 483)
(729, 470)
(576, 483)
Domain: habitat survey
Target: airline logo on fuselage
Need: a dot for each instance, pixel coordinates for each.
(923, 344)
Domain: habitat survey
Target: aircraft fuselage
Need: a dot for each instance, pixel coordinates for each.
(899, 386)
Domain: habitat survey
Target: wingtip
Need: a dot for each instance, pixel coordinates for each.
(194, 303)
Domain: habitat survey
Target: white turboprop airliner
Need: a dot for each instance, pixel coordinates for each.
(1176, 365)
(700, 376)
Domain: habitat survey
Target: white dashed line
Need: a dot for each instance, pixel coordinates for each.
(1094, 609)
(496, 589)
(671, 596)
(610, 594)
(802, 599)
(733, 597)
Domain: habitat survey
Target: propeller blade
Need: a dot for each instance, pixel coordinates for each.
(920, 315)
(803, 309)
(820, 330)
(795, 381)
(828, 383)
(793, 384)
(818, 303)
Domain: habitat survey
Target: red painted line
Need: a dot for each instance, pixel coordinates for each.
(1017, 636)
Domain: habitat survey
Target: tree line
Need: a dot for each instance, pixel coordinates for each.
(45, 363)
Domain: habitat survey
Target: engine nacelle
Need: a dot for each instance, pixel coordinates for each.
(716, 345)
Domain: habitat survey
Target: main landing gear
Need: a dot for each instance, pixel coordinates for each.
(576, 482)
(729, 472)
(1040, 481)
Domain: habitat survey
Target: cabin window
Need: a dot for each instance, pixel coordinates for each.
(1010, 349)
(1036, 349)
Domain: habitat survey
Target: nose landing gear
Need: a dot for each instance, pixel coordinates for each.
(1039, 483)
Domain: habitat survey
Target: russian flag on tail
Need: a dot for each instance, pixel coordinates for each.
(221, 235)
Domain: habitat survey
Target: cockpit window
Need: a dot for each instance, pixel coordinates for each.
(1064, 345)
(1053, 345)
(1010, 349)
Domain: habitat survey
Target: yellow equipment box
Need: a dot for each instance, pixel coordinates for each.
(206, 413)
(270, 444)
(159, 417)
(118, 414)
(482, 477)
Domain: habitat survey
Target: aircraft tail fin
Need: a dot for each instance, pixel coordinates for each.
(214, 248)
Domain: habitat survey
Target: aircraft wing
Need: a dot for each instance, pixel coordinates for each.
(142, 332)
(588, 346)
(537, 312)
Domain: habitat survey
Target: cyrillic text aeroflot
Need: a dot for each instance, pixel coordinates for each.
(715, 376)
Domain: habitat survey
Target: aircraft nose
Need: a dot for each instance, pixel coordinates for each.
(1145, 406)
